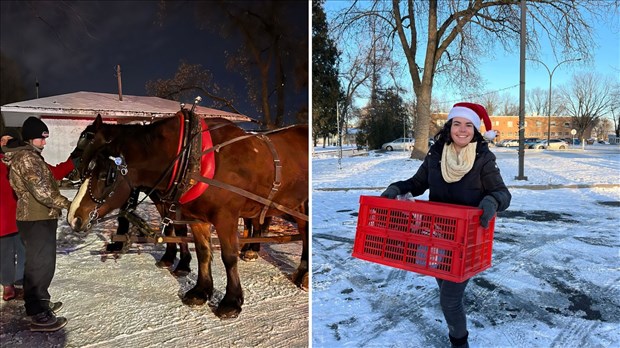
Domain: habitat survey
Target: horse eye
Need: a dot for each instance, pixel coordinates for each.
(91, 164)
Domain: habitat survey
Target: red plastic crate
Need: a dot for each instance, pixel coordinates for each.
(437, 239)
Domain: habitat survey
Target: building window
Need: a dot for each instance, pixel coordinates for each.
(538, 124)
(566, 125)
(553, 123)
(509, 124)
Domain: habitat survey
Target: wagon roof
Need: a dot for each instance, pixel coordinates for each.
(86, 105)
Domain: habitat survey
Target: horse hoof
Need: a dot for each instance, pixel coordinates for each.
(249, 256)
(181, 272)
(195, 297)
(226, 312)
(300, 279)
(114, 247)
(163, 264)
(193, 301)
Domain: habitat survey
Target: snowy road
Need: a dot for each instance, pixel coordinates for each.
(555, 278)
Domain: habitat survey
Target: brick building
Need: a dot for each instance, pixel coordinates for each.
(507, 127)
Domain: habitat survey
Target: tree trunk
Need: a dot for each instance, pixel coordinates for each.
(423, 114)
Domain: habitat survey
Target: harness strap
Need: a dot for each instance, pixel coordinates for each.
(278, 175)
(250, 195)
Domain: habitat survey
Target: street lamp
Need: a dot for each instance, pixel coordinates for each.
(549, 101)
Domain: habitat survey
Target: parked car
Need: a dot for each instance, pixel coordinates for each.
(554, 144)
(511, 143)
(528, 143)
(399, 144)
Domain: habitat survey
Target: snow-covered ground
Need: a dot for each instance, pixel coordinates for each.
(128, 302)
(555, 275)
(555, 279)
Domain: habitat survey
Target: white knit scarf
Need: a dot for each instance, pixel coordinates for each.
(455, 165)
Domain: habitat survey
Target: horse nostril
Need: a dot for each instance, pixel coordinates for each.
(77, 224)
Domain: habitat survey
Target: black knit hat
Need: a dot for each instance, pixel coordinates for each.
(34, 128)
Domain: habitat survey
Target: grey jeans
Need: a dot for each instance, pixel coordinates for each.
(12, 258)
(451, 300)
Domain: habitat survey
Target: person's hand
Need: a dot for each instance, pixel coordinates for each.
(489, 207)
(391, 192)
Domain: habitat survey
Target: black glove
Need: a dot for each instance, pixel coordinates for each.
(489, 206)
(391, 192)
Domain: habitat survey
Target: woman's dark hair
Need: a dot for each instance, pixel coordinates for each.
(444, 134)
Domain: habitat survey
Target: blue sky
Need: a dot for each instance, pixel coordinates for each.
(501, 70)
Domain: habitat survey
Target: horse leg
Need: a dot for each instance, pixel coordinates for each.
(121, 230)
(203, 290)
(226, 227)
(249, 252)
(167, 260)
(300, 276)
(123, 223)
(185, 257)
(247, 233)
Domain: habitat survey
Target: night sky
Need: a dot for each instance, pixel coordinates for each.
(76, 46)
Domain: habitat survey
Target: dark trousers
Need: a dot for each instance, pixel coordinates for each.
(451, 300)
(11, 259)
(39, 239)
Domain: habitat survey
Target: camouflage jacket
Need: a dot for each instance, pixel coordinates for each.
(38, 195)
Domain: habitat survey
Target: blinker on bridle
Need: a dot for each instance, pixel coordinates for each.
(120, 166)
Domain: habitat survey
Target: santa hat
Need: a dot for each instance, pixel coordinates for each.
(474, 113)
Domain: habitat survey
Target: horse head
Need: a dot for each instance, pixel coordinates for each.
(116, 160)
(105, 187)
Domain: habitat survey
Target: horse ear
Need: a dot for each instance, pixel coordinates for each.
(98, 121)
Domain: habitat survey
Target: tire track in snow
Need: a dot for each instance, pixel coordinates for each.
(392, 309)
(576, 331)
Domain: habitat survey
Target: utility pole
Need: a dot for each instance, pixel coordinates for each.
(521, 175)
(339, 138)
(120, 84)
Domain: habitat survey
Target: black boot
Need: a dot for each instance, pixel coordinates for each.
(459, 342)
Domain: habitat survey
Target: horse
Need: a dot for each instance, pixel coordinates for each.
(245, 173)
(252, 227)
(83, 146)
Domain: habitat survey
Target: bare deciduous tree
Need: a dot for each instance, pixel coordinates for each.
(587, 98)
(189, 79)
(368, 65)
(445, 37)
(536, 101)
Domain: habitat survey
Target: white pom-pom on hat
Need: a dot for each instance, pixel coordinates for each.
(474, 113)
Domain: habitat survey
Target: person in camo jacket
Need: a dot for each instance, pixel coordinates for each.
(39, 205)
(12, 253)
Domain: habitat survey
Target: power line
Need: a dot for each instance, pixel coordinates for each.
(474, 96)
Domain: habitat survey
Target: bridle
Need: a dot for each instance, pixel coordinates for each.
(111, 184)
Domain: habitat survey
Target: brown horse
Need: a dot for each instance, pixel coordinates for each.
(140, 158)
(85, 148)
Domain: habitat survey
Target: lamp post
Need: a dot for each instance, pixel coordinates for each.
(549, 101)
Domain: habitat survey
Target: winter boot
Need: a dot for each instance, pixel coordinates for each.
(46, 321)
(459, 342)
(8, 292)
(55, 306)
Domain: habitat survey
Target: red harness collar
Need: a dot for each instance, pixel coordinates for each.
(207, 166)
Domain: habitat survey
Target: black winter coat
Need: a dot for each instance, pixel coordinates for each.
(483, 179)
